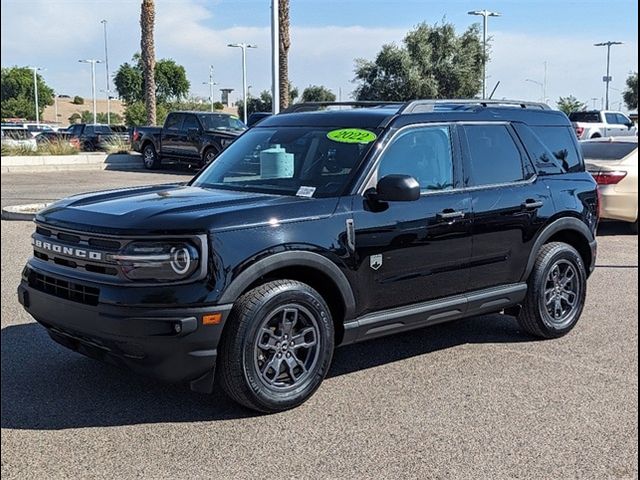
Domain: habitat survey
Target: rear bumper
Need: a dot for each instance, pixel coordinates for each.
(618, 205)
(170, 344)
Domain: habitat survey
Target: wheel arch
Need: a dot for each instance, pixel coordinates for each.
(311, 268)
(570, 231)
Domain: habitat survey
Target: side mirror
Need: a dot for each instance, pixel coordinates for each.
(630, 125)
(397, 188)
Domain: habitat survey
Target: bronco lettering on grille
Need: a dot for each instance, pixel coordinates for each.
(68, 251)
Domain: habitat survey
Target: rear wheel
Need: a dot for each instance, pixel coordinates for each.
(556, 293)
(209, 156)
(277, 346)
(88, 147)
(150, 157)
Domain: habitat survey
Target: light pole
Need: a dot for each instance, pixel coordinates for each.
(211, 83)
(106, 65)
(540, 84)
(275, 57)
(35, 91)
(93, 84)
(244, 47)
(607, 78)
(485, 14)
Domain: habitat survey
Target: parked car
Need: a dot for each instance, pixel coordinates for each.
(256, 117)
(192, 137)
(320, 229)
(602, 123)
(95, 136)
(613, 162)
(45, 138)
(18, 137)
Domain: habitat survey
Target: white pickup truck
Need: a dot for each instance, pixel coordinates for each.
(602, 123)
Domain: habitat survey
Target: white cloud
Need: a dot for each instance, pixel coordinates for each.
(62, 32)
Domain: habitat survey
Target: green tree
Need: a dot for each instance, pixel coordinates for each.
(318, 93)
(263, 103)
(433, 62)
(78, 100)
(171, 82)
(630, 95)
(16, 90)
(148, 58)
(135, 114)
(570, 104)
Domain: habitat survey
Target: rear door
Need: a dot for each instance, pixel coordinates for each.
(509, 203)
(171, 133)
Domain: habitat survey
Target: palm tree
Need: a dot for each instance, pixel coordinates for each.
(147, 17)
(285, 43)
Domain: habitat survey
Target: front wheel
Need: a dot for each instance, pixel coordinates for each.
(209, 156)
(277, 346)
(556, 294)
(150, 157)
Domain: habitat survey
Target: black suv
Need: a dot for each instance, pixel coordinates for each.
(323, 228)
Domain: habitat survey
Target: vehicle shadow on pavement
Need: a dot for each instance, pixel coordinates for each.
(46, 387)
(610, 228)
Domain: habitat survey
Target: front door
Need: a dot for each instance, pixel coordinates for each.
(411, 252)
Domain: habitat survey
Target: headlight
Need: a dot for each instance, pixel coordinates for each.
(158, 261)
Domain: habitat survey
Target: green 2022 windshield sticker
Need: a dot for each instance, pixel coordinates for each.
(351, 135)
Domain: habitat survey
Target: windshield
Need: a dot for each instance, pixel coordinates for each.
(301, 161)
(607, 150)
(221, 122)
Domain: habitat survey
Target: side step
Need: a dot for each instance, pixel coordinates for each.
(400, 319)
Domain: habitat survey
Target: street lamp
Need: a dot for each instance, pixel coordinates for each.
(540, 84)
(211, 83)
(608, 77)
(106, 65)
(35, 90)
(244, 47)
(93, 84)
(485, 14)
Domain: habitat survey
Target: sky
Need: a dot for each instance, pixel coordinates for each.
(326, 37)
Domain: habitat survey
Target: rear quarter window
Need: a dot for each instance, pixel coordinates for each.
(585, 117)
(561, 142)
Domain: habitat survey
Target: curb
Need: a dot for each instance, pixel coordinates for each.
(22, 212)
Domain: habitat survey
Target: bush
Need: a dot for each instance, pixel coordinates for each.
(77, 100)
(117, 145)
(56, 147)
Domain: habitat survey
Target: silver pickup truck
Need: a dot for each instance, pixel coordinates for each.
(602, 123)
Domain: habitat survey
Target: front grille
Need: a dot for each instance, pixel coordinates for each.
(64, 289)
(67, 242)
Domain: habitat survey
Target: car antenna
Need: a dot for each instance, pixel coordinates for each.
(494, 90)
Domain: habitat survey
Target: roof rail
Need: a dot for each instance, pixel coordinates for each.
(418, 106)
(313, 106)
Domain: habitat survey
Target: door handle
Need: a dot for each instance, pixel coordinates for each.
(530, 204)
(450, 214)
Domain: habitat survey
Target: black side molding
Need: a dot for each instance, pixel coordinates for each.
(386, 322)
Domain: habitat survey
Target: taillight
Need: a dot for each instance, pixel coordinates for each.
(609, 178)
(579, 131)
(136, 135)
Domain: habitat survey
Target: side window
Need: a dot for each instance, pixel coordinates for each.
(424, 153)
(495, 157)
(611, 118)
(622, 119)
(190, 121)
(174, 121)
(89, 130)
(544, 160)
(561, 141)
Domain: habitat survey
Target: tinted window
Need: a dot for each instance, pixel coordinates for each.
(607, 150)
(543, 159)
(88, 130)
(104, 129)
(585, 117)
(495, 158)
(561, 141)
(423, 153)
(190, 121)
(174, 121)
(212, 121)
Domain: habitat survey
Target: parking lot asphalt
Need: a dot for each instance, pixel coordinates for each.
(475, 398)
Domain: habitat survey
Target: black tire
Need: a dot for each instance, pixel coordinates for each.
(244, 368)
(88, 147)
(209, 156)
(596, 135)
(150, 157)
(535, 317)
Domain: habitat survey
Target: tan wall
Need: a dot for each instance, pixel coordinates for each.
(66, 109)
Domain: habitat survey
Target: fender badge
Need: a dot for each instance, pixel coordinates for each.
(375, 261)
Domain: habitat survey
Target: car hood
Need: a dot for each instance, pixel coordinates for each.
(172, 209)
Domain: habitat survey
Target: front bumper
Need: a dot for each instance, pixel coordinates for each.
(171, 344)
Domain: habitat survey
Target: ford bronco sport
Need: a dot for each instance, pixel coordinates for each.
(323, 228)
